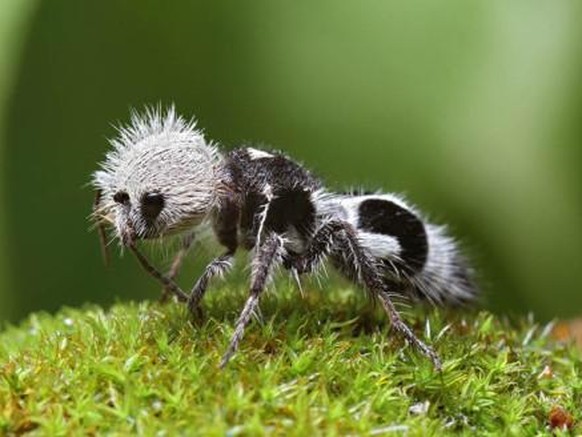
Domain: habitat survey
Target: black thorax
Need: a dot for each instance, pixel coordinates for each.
(269, 193)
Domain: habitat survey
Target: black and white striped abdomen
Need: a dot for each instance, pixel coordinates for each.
(418, 255)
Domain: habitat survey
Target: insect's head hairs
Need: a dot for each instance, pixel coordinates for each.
(100, 225)
(159, 178)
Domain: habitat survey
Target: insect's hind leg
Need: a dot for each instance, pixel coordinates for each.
(339, 238)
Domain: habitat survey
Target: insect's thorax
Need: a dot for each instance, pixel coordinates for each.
(268, 193)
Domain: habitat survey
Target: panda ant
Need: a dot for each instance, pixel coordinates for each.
(163, 178)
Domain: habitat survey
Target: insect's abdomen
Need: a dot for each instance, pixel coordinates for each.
(418, 258)
(387, 218)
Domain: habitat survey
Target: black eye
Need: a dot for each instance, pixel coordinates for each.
(121, 197)
(151, 205)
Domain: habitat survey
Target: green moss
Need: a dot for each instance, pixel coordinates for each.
(323, 364)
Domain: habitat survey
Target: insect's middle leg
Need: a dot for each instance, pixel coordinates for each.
(267, 257)
(340, 239)
(217, 267)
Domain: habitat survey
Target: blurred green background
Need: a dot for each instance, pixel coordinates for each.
(472, 109)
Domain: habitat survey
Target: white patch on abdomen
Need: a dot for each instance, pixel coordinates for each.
(379, 245)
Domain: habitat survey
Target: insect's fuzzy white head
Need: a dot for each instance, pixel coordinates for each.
(160, 177)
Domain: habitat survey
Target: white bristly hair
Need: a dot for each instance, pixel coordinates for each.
(443, 280)
(158, 152)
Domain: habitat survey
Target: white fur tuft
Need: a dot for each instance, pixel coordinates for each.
(159, 151)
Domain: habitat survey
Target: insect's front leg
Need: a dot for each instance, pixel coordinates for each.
(168, 283)
(217, 267)
(177, 264)
(340, 238)
(266, 258)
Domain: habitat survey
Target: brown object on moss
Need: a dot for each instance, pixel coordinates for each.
(560, 418)
(569, 330)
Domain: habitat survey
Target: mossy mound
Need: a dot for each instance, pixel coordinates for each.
(319, 365)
